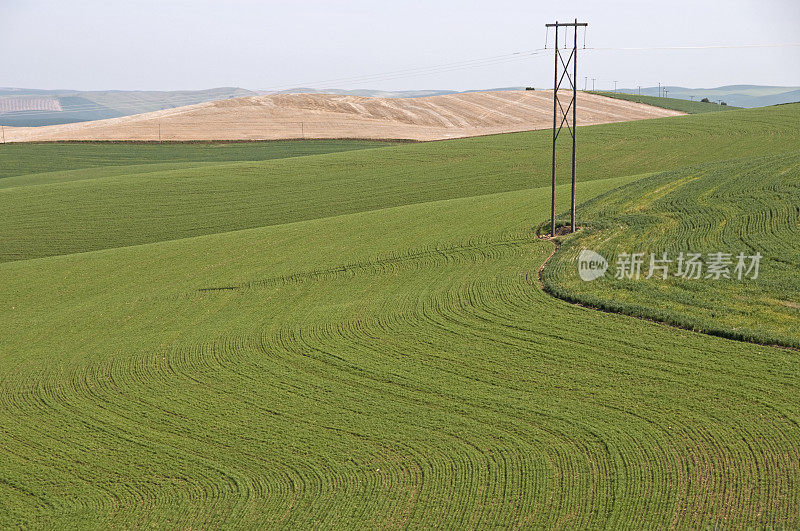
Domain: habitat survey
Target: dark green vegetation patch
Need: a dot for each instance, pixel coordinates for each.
(676, 104)
(744, 207)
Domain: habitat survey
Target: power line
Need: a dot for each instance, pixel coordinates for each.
(705, 47)
(410, 72)
(449, 67)
(445, 67)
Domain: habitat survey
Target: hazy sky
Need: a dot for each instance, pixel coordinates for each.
(182, 44)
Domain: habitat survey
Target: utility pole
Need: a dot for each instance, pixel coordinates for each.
(659, 90)
(615, 85)
(640, 90)
(3, 128)
(585, 81)
(592, 83)
(573, 81)
(159, 133)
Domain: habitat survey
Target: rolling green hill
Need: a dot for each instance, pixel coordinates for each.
(28, 163)
(749, 205)
(676, 104)
(360, 339)
(738, 95)
(86, 211)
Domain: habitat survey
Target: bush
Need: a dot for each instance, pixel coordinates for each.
(705, 100)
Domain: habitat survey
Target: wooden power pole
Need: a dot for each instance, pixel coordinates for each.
(559, 109)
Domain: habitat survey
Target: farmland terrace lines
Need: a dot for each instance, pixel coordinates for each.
(20, 104)
(280, 116)
(416, 430)
(396, 364)
(749, 205)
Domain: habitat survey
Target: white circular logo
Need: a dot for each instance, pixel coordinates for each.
(591, 265)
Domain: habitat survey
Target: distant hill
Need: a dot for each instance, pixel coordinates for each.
(676, 104)
(34, 107)
(735, 95)
(334, 116)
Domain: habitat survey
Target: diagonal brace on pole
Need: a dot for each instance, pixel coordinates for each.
(572, 59)
(564, 115)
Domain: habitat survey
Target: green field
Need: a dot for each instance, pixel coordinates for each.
(49, 162)
(748, 205)
(676, 104)
(359, 339)
(115, 200)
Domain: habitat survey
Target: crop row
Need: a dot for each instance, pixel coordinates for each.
(451, 390)
(749, 206)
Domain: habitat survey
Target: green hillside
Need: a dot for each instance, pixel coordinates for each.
(738, 95)
(95, 210)
(676, 104)
(749, 205)
(359, 339)
(48, 162)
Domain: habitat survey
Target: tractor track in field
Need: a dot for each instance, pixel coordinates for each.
(471, 251)
(408, 424)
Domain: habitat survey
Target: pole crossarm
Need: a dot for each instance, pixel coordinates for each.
(572, 60)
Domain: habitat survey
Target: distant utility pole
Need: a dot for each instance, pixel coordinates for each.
(640, 90)
(585, 81)
(573, 80)
(665, 92)
(615, 85)
(3, 128)
(159, 133)
(592, 83)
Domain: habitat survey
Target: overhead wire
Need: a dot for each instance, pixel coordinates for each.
(705, 47)
(387, 76)
(420, 71)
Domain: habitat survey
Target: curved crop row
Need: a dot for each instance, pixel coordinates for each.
(430, 389)
(397, 367)
(744, 207)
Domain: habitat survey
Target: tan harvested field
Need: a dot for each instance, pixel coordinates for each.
(290, 116)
